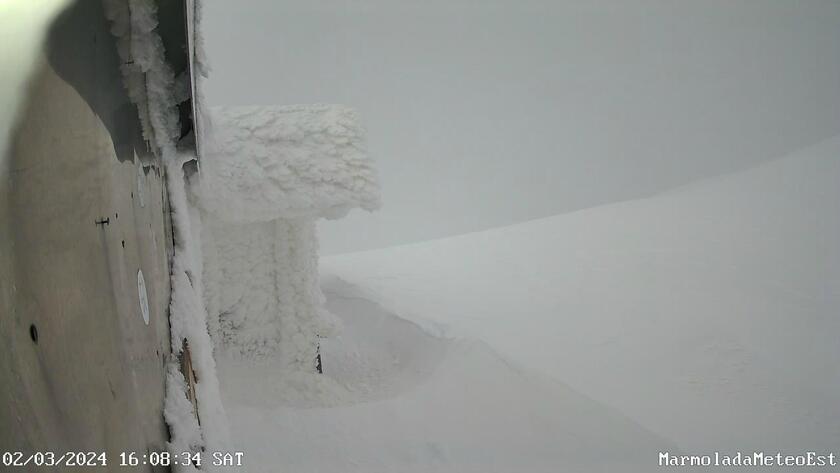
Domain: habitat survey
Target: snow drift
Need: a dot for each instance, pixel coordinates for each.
(394, 398)
(707, 314)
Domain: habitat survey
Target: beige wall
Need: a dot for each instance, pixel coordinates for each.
(94, 380)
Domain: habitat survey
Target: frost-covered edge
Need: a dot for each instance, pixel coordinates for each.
(151, 87)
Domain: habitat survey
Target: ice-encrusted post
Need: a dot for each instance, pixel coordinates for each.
(266, 175)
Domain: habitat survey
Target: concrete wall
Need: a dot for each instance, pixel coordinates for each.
(94, 379)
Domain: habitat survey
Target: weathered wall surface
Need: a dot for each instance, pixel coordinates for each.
(94, 379)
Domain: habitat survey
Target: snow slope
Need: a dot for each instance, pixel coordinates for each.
(707, 314)
(394, 398)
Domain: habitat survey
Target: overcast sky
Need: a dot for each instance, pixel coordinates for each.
(486, 113)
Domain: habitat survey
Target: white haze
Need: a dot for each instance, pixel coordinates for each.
(487, 113)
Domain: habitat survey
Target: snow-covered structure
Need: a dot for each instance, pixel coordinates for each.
(104, 330)
(93, 310)
(245, 186)
(266, 174)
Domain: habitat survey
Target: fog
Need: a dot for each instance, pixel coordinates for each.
(487, 113)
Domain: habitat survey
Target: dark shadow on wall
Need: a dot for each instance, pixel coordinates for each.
(82, 51)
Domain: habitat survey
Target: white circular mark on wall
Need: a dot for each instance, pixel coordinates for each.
(144, 298)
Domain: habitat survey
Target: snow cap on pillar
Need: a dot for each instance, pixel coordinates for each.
(261, 163)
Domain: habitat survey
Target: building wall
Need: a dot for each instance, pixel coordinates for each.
(94, 380)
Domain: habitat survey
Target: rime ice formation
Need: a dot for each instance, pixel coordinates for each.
(266, 174)
(151, 87)
(264, 163)
(261, 289)
(147, 76)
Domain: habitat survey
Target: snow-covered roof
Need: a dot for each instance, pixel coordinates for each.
(260, 163)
